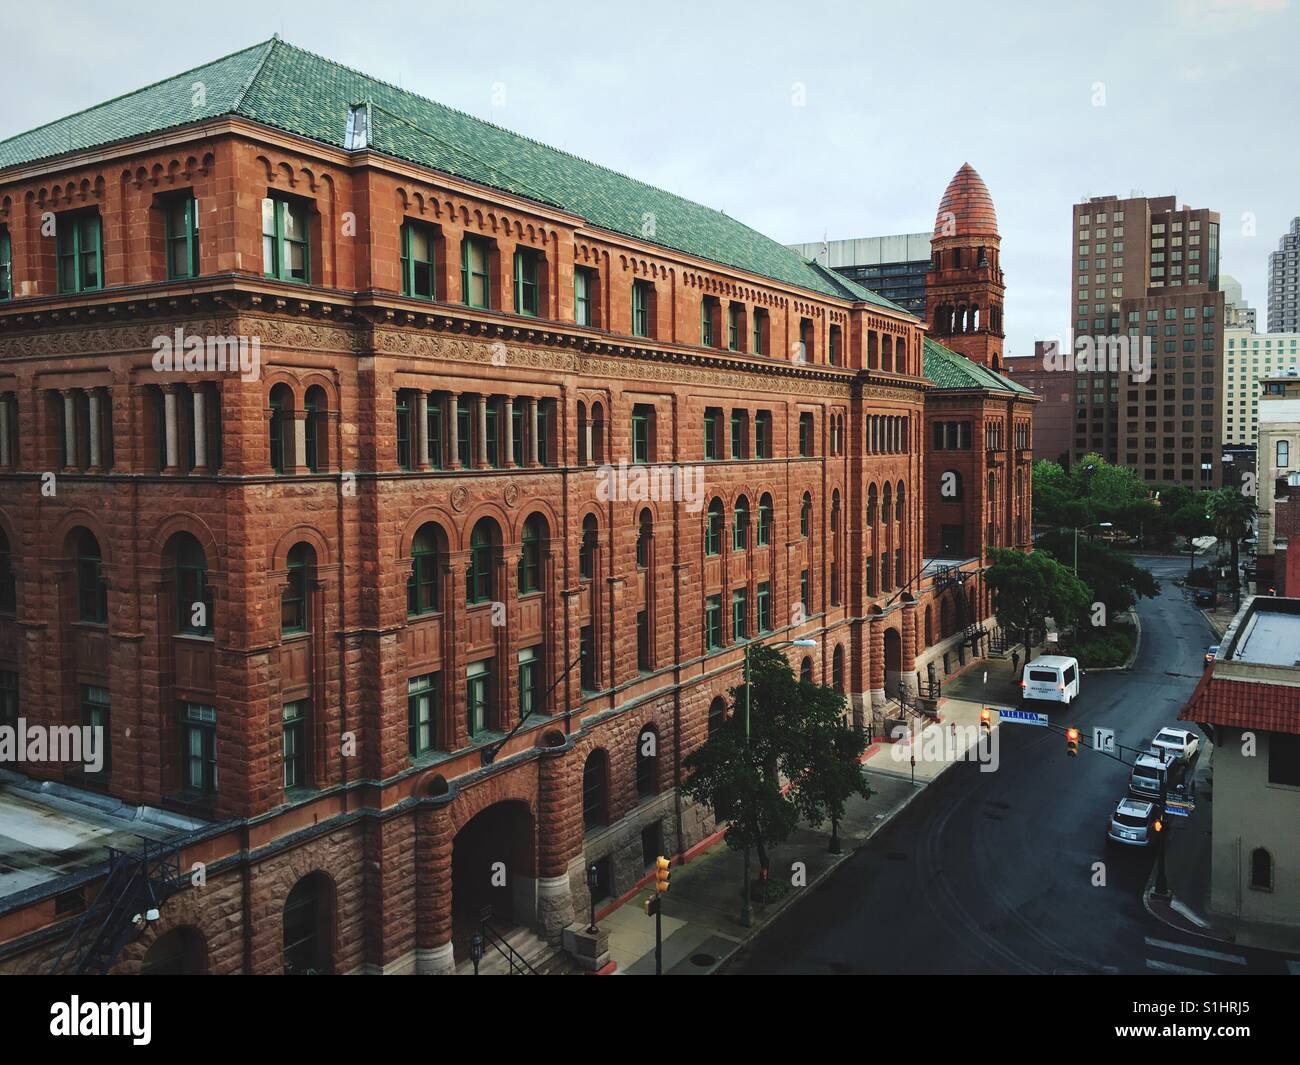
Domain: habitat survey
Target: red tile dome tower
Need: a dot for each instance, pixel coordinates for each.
(964, 289)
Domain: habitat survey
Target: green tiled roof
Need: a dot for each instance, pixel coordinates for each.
(947, 369)
(305, 94)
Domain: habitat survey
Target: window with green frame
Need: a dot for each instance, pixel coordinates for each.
(833, 346)
(756, 345)
(6, 265)
(433, 429)
(711, 434)
(713, 529)
(192, 591)
(96, 704)
(517, 434)
(528, 268)
(310, 429)
(530, 556)
(583, 287)
(713, 622)
(81, 252)
(740, 526)
(642, 423)
(92, 591)
(492, 437)
(286, 244)
(805, 434)
(706, 321)
(8, 698)
(422, 713)
(422, 584)
(764, 536)
(181, 223)
(478, 694)
(478, 578)
(641, 291)
(475, 283)
(403, 431)
(295, 744)
(464, 435)
(739, 615)
(530, 681)
(199, 749)
(762, 435)
(419, 260)
(733, 327)
(587, 549)
(764, 605)
(805, 516)
(739, 432)
(293, 600)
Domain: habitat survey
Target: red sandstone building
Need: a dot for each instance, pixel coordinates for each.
(372, 640)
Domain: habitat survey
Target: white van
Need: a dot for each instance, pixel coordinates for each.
(1051, 679)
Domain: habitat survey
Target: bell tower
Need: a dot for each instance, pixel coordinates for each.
(963, 288)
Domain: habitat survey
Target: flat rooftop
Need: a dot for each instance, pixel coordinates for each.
(48, 830)
(1267, 633)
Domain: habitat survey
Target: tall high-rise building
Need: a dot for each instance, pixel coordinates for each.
(1237, 313)
(1284, 282)
(893, 266)
(1248, 359)
(1147, 271)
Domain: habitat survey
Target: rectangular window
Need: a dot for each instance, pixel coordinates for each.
(1284, 759)
(95, 706)
(286, 253)
(530, 681)
(199, 749)
(6, 266)
(527, 290)
(418, 267)
(805, 434)
(713, 622)
(763, 435)
(643, 663)
(422, 713)
(475, 286)
(740, 614)
(433, 431)
(706, 322)
(582, 291)
(81, 253)
(295, 745)
(756, 345)
(641, 308)
(464, 438)
(739, 432)
(642, 416)
(182, 230)
(733, 327)
(587, 653)
(711, 434)
(764, 603)
(478, 692)
(490, 426)
(805, 590)
(403, 431)
(8, 698)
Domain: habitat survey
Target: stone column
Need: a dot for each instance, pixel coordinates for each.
(591, 458)
(559, 842)
(907, 658)
(5, 458)
(169, 417)
(876, 676)
(300, 441)
(69, 427)
(508, 430)
(482, 432)
(534, 426)
(200, 427)
(452, 461)
(422, 460)
(93, 402)
(433, 849)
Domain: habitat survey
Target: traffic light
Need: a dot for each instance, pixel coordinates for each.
(986, 721)
(1072, 742)
(662, 874)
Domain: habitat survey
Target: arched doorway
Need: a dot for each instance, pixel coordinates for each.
(309, 927)
(180, 952)
(492, 866)
(893, 661)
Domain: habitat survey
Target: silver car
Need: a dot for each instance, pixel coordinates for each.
(1131, 822)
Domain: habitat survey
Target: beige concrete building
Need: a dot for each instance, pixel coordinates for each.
(1248, 357)
(1278, 459)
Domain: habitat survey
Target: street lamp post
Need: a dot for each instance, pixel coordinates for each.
(1094, 525)
(746, 905)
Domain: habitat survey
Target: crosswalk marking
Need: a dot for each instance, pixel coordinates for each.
(1202, 952)
(1170, 967)
(1293, 966)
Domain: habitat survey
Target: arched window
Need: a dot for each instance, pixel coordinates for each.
(582, 434)
(92, 591)
(587, 551)
(765, 519)
(427, 555)
(280, 427)
(193, 596)
(317, 421)
(899, 506)
(308, 927)
(530, 554)
(1261, 869)
(871, 506)
(647, 761)
(483, 543)
(805, 515)
(595, 790)
(597, 433)
(180, 952)
(717, 714)
(294, 612)
(740, 529)
(8, 582)
(805, 671)
(644, 534)
(713, 528)
(837, 670)
(886, 503)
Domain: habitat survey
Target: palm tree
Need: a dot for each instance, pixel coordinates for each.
(1233, 514)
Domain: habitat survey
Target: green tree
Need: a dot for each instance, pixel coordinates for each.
(832, 756)
(1188, 518)
(1110, 577)
(1232, 515)
(1029, 587)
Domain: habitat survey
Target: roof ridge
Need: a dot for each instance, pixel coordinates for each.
(257, 71)
(136, 92)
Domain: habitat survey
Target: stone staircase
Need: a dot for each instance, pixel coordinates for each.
(545, 959)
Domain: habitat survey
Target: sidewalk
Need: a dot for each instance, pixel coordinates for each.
(1187, 868)
(701, 920)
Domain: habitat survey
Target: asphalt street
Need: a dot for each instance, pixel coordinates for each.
(995, 872)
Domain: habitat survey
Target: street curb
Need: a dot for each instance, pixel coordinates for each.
(835, 864)
(1183, 927)
(1137, 647)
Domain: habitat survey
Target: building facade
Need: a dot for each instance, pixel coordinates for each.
(1237, 313)
(399, 505)
(1284, 282)
(1054, 414)
(1147, 271)
(1278, 461)
(893, 266)
(1248, 359)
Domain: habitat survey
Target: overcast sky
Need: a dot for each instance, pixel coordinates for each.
(802, 119)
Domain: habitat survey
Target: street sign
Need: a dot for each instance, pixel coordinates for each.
(1103, 739)
(1179, 807)
(1024, 717)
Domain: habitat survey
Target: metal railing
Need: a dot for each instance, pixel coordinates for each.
(518, 965)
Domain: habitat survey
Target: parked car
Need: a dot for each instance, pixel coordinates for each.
(1153, 768)
(1206, 598)
(1210, 652)
(1051, 679)
(1131, 822)
(1178, 742)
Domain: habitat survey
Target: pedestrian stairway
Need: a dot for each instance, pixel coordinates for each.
(543, 958)
(1186, 959)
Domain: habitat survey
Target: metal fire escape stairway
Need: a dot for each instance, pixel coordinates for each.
(137, 882)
